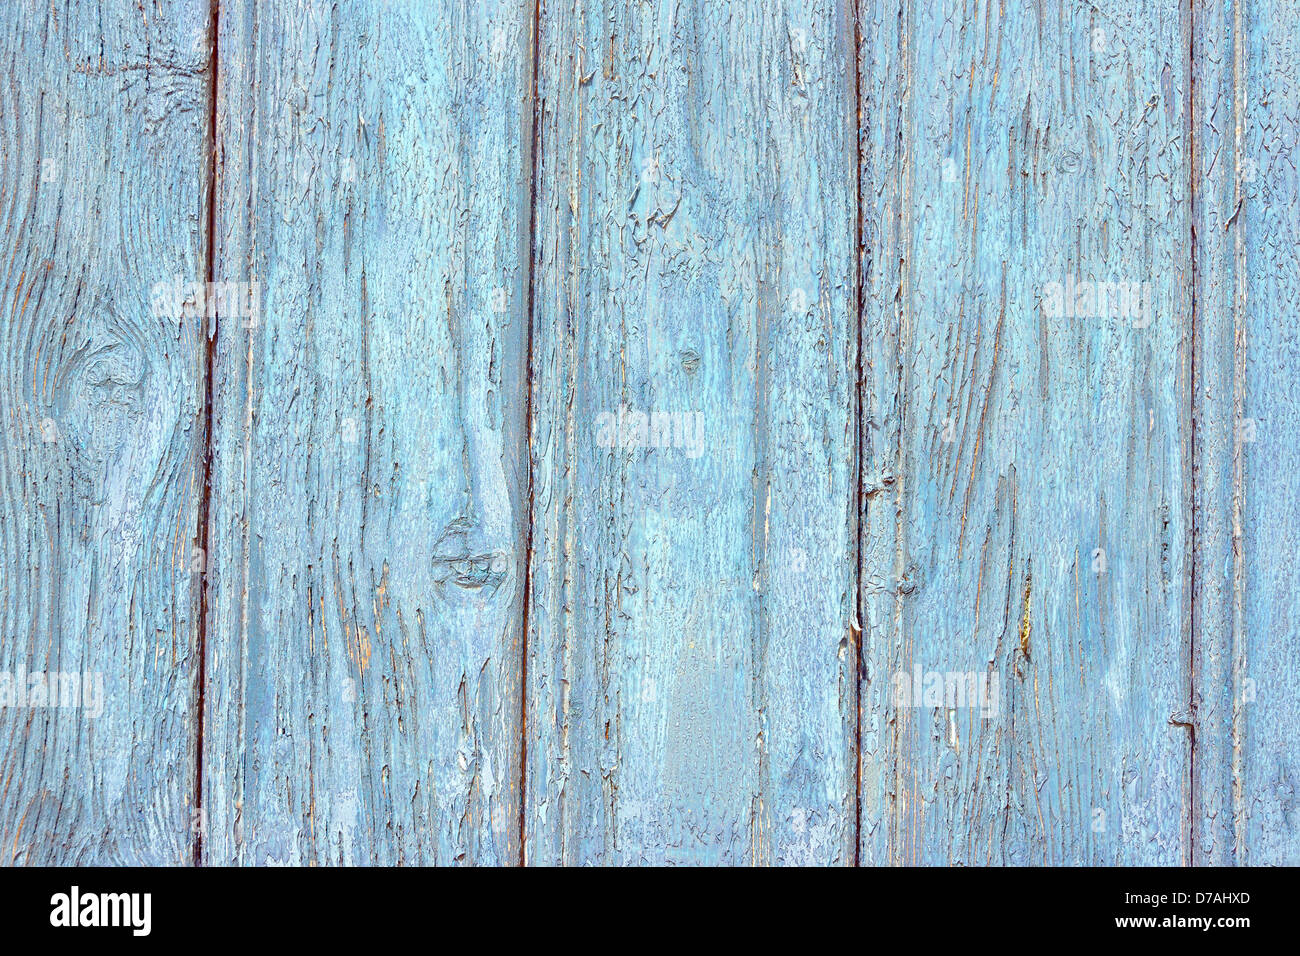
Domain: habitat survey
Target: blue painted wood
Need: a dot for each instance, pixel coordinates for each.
(627, 387)
(369, 451)
(1026, 510)
(103, 175)
(1248, 411)
(690, 646)
(1217, 406)
(1267, 685)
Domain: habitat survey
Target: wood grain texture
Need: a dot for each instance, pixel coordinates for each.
(103, 174)
(1268, 685)
(369, 448)
(1246, 677)
(690, 646)
(617, 421)
(1026, 516)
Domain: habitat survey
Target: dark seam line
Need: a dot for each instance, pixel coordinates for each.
(857, 436)
(1194, 373)
(209, 326)
(533, 154)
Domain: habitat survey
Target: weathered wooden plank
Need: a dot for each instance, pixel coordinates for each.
(369, 445)
(1026, 517)
(1268, 685)
(104, 111)
(690, 653)
(1217, 582)
(1246, 121)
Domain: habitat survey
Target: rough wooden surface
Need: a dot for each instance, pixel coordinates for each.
(393, 572)
(1026, 516)
(368, 510)
(1247, 403)
(1268, 683)
(690, 655)
(103, 121)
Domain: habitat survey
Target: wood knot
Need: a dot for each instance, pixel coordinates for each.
(100, 400)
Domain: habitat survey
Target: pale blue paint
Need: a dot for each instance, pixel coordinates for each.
(1248, 406)
(103, 115)
(1034, 523)
(450, 620)
(691, 656)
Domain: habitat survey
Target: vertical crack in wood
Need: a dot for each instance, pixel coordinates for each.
(530, 172)
(209, 337)
(858, 501)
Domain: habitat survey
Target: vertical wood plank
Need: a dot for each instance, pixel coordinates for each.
(1268, 230)
(104, 113)
(1247, 122)
(1026, 515)
(369, 509)
(1218, 586)
(690, 647)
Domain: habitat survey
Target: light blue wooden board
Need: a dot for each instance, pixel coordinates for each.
(690, 652)
(1269, 684)
(103, 173)
(1248, 404)
(370, 456)
(1218, 581)
(1009, 451)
